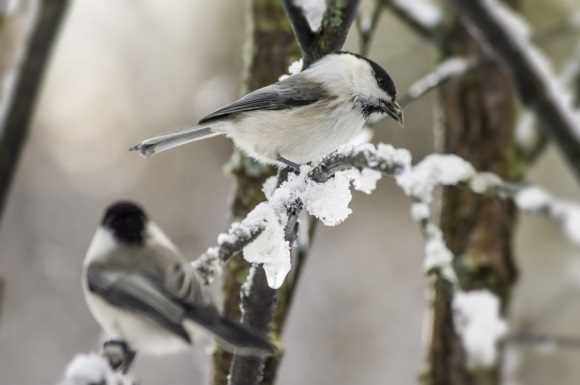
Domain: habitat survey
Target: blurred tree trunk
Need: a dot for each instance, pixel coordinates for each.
(269, 51)
(479, 124)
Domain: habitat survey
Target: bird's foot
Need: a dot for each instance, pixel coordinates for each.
(119, 355)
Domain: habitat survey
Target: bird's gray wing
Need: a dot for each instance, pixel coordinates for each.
(139, 294)
(184, 284)
(291, 92)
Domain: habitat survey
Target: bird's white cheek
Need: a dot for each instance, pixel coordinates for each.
(156, 235)
(103, 242)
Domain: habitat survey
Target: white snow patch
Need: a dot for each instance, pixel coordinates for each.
(366, 24)
(328, 201)
(399, 156)
(294, 68)
(449, 68)
(434, 170)
(569, 215)
(87, 369)
(420, 211)
(270, 248)
(476, 315)
(526, 133)
(424, 12)
(484, 182)
(270, 186)
(437, 255)
(365, 180)
(313, 11)
(532, 199)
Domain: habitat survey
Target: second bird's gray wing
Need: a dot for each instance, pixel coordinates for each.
(138, 294)
(291, 92)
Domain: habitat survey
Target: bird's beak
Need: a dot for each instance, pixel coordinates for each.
(394, 111)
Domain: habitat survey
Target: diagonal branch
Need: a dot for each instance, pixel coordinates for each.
(493, 24)
(14, 128)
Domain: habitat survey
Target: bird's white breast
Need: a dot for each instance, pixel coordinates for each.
(301, 135)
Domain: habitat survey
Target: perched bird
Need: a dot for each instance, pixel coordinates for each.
(301, 118)
(144, 293)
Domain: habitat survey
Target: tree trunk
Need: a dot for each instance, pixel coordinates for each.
(479, 120)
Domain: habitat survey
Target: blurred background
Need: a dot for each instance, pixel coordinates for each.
(125, 70)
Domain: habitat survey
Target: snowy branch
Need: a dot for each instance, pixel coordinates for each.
(445, 71)
(324, 191)
(508, 37)
(336, 18)
(423, 16)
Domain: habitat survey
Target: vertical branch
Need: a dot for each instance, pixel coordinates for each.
(479, 120)
(14, 128)
(270, 48)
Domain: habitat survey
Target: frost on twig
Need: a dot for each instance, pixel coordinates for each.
(445, 71)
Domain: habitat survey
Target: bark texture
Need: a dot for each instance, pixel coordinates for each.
(479, 120)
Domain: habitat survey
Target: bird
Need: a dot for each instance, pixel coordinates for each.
(147, 297)
(299, 119)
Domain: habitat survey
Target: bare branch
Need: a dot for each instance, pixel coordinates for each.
(14, 129)
(529, 338)
(532, 80)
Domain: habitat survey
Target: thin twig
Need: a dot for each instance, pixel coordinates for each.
(368, 25)
(529, 338)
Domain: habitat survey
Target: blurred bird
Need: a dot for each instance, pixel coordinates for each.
(146, 295)
(301, 118)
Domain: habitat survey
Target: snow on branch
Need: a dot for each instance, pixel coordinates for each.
(323, 190)
(477, 319)
(423, 16)
(508, 36)
(445, 71)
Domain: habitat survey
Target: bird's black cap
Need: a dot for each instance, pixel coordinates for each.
(383, 78)
(127, 220)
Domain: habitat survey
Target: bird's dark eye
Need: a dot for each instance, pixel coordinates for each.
(381, 82)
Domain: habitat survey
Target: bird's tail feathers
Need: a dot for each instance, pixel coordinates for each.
(164, 142)
(238, 338)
